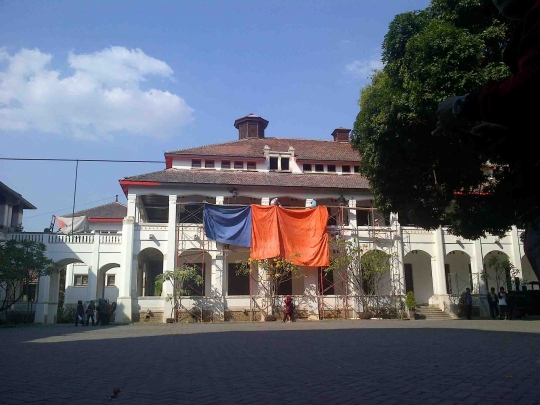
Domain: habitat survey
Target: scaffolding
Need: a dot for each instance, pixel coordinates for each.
(192, 247)
(336, 294)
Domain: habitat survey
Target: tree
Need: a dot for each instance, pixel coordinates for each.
(364, 269)
(269, 275)
(452, 47)
(181, 279)
(21, 263)
(503, 272)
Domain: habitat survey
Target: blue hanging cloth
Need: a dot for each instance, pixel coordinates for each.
(228, 224)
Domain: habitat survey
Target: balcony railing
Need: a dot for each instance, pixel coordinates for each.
(80, 238)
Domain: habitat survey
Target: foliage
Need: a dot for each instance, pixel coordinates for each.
(503, 271)
(21, 262)
(365, 269)
(275, 272)
(65, 315)
(410, 300)
(158, 286)
(181, 279)
(450, 48)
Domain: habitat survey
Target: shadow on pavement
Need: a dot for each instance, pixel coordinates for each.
(316, 364)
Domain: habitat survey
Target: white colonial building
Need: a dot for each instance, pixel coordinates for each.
(161, 228)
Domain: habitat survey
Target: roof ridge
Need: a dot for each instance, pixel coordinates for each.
(210, 144)
(258, 139)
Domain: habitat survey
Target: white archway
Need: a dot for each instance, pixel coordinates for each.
(418, 275)
(149, 266)
(458, 273)
(496, 278)
(106, 282)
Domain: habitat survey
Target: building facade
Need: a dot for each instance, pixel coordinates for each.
(161, 229)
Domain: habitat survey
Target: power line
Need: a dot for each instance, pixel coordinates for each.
(82, 160)
(67, 208)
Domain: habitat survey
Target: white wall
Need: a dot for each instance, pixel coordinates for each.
(111, 292)
(528, 273)
(105, 226)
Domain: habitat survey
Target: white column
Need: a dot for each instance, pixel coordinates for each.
(398, 240)
(42, 305)
(69, 285)
(169, 258)
(217, 281)
(516, 255)
(352, 214)
(47, 305)
(93, 269)
(310, 292)
(127, 265)
(437, 264)
(265, 201)
(477, 269)
(262, 292)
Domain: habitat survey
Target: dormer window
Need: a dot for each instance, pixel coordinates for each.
(196, 163)
(357, 169)
(306, 167)
(225, 164)
(209, 164)
(331, 168)
(280, 163)
(238, 165)
(251, 166)
(319, 168)
(345, 169)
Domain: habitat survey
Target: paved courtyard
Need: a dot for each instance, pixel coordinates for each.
(355, 362)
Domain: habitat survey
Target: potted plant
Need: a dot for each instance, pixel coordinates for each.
(410, 302)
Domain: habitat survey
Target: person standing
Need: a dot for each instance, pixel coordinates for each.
(289, 308)
(467, 298)
(90, 313)
(100, 309)
(493, 302)
(503, 307)
(79, 315)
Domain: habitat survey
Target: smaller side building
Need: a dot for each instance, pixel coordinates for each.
(12, 206)
(106, 220)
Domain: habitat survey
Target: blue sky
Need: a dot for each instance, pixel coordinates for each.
(133, 79)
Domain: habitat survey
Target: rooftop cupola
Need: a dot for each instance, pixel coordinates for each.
(251, 126)
(341, 134)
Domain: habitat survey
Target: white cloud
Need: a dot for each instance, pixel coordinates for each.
(363, 69)
(101, 98)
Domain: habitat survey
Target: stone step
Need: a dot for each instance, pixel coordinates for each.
(432, 313)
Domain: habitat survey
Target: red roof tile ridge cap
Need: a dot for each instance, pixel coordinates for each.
(210, 144)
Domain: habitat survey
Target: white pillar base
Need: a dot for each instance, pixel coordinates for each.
(124, 310)
(167, 308)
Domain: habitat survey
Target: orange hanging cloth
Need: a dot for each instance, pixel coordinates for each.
(297, 235)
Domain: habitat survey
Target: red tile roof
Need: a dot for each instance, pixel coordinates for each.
(305, 149)
(112, 210)
(248, 178)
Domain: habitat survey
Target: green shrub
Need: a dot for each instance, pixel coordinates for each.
(65, 315)
(410, 301)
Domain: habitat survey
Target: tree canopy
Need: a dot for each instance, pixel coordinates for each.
(450, 48)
